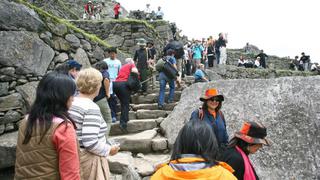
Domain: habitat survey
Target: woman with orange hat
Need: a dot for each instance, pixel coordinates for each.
(194, 156)
(211, 113)
(247, 141)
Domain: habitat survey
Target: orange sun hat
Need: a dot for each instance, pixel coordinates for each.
(213, 92)
(253, 133)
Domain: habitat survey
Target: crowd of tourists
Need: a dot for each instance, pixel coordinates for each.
(304, 64)
(259, 62)
(65, 134)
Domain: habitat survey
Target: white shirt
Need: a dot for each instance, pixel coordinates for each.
(257, 63)
(159, 13)
(147, 10)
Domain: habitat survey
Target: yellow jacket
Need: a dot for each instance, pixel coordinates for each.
(222, 171)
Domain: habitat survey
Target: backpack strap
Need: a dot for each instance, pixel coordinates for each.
(200, 113)
(222, 117)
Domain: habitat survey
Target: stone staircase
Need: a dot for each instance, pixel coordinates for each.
(144, 147)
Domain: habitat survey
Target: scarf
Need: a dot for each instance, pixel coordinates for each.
(248, 170)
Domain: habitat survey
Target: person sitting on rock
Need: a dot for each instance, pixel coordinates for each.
(211, 113)
(147, 12)
(98, 10)
(241, 62)
(123, 90)
(194, 156)
(91, 127)
(159, 13)
(89, 10)
(294, 64)
(47, 143)
(248, 63)
(257, 63)
(200, 75)
(247, 141)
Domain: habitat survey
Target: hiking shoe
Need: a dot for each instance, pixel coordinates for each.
(170, 101)
(160, 107)
(124, 129)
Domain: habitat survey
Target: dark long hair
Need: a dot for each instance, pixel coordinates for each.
(53, 93)
(240, 143)
(101, 66)
(196, 137)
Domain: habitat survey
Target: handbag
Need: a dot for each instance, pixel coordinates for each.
(133, 82)
(170, 71)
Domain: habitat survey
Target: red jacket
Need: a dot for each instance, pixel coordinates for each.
(116, 9)
(89, 9)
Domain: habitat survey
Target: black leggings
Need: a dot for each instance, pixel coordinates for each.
(123, 93)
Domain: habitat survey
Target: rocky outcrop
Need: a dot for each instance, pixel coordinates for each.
(289, 107)
(233, 72)
(18, 17)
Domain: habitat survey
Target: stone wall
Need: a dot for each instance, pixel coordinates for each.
(289, 108)
(125, 33)
(30, 46)
(273, 62)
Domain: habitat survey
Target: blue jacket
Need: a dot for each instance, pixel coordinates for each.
(218, 125)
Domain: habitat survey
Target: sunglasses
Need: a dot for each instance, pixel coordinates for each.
(217, 99)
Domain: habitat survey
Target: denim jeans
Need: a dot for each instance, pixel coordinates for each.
(163, 83)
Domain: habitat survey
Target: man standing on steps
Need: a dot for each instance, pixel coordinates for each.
(165, 79)
(114, 66)
(141, 59)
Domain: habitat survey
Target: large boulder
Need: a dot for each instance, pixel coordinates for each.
(26, 51)
(289, 107)
(16, 16)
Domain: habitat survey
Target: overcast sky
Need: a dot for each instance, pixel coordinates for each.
(280, 27)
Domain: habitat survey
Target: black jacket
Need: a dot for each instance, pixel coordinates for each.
(141, 57)
(235, 160)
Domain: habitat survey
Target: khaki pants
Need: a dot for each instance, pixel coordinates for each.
(93, 167)
(106, 113)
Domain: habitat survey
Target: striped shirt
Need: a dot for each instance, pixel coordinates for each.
(91, 127)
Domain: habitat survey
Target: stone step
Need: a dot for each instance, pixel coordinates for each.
(8, 143)
(139, 142)
(132, 115)
(152, 98)
(144, 164)
(151, 114)
(153, 106)
(134, 126)
(159, 144)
